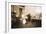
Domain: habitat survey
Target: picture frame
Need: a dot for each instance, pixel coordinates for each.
(8, 17)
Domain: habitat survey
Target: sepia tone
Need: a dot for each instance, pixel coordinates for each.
(25, 16)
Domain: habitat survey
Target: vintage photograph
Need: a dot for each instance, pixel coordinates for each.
(26, 16)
